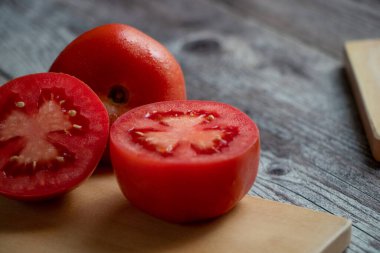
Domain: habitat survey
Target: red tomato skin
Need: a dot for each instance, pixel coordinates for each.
(89, 151)
(118, 54)
(182, 192)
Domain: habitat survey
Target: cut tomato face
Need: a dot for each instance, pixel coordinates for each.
(53, 131)
(185, 161)
(124, 66)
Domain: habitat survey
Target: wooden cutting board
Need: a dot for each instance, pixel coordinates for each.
(96, 218)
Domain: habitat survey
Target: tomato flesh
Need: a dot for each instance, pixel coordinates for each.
(185, 160)
(47, 144)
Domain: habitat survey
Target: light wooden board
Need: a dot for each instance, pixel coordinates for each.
(96, 218)
(363, 66)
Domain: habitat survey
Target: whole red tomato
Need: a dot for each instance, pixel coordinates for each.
(124, 66)
(184, 161)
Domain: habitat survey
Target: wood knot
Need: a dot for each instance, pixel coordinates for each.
(276, 170)
(201, 46)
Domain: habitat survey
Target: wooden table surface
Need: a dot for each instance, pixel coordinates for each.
(279, 61)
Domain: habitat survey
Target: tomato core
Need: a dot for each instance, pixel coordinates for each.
(29, 134)
(53, 132)
(190, 132)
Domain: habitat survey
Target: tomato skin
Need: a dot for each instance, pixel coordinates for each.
(87, 145)
(182, 191)
(117, 54)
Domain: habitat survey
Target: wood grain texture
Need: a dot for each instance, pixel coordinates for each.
(105, 222)
(325, 25)
(363, 64)
(315, 153)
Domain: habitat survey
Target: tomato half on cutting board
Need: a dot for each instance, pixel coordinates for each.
(124, 66)
(185, 161)
(53, 131)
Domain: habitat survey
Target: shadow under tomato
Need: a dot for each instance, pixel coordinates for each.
(103, 169)
(24, 216)
(104, 166)
(20, 216)
(125, 228)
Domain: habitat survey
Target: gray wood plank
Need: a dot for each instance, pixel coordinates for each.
(323, 24)
(314, 152)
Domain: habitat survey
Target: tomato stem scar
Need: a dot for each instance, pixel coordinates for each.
(72, 113)
(118, 94)
(20, 104)
(77, 126)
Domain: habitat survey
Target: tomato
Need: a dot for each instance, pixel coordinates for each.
(53, 131)
(184, 161)
(124, 66)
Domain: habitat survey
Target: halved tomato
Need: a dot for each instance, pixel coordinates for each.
(185, 160)
(53, 131)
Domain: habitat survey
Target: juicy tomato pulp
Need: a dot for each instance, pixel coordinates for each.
(184, 161)
(124, 66)
(53, 131)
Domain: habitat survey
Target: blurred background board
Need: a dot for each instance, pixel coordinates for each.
(362, 59)
(279, 61)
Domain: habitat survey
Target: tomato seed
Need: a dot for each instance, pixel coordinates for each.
(139, 133)
(216, 150)
(169, 148)
(14, 158)
(210, 117)
(62, 102)
(72, 113)
(60, 159)
(223, 141)
(77, 126)
(20, 104)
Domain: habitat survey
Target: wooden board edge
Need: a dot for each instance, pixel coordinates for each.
(340, 241)
(337, 243)
(373, 139)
